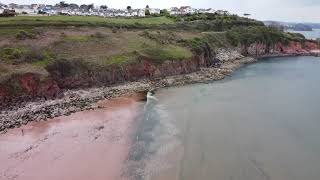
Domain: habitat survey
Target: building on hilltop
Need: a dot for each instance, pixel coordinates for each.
(222, 12)
(204, 11)
(26, 10)
(183, 10)
(12, 6)
(154, 11)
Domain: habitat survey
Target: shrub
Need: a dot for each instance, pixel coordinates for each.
(114, 29)
(11, 53)
(121, 58)
(162, 53)
(22, 35)
(62, 68)
(162, 38)
(98, 35)
(18, 55)
(248, 35)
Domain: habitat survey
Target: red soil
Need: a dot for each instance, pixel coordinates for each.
(86, 145)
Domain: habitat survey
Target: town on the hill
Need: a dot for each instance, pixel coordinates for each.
(64, 8)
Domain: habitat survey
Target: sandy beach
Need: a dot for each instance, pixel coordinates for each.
(86, 145)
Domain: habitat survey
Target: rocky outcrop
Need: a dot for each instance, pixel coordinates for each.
(292, 48)
(228, 54)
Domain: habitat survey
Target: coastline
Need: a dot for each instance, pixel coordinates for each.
(41, 149)
(86, 99)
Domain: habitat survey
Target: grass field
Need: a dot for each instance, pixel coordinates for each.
(81, 21)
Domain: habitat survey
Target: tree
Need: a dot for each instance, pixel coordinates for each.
(164, 12)
(147, 12)
(129, 8)
(84, 7)
(62, 4)
(90, 6)
(104, 7)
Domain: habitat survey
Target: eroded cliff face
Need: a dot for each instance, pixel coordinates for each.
(292, 48)
(29, 86)
(132, 72)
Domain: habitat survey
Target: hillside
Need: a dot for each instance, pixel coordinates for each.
(42, 56)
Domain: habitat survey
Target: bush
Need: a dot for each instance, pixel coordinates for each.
(162, 53)
(98, 35)
(208, 41)
(114, 29)
(18, 55)
(161, 37)
(34, 53)
(248, 35)
(62, 68)
(22, 35)
(11, 53)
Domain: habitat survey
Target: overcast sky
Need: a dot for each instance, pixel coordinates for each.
(282, 10)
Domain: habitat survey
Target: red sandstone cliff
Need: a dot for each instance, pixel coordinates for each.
(30, 85)
(292, 48)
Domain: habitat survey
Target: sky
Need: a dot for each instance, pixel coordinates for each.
(280, 10)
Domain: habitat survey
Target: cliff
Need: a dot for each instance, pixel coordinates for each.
(28, 86)
(292, 48)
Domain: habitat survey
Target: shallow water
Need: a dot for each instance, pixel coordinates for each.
(260, 124)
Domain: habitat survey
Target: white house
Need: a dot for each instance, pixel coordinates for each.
(174, 11)
(154, 11)
(222, 12)
(142, 12)
(186, 10)
(119, 13)
(210, 11)
(25, 9)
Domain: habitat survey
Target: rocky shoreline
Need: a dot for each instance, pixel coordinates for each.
(79, 100)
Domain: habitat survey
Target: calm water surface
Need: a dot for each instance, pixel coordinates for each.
(260, 124)
(309, 34)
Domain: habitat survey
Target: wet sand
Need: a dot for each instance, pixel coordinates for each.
(86, 145)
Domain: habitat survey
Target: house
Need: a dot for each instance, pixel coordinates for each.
(12, 6)
(119, 13)
(34, 6)
(174, 11)
(222, 12)
(48, 9)
(186, 10)
(203, 11)
(183, 10)
(142, 13)
(154, 11)
(25, 9)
